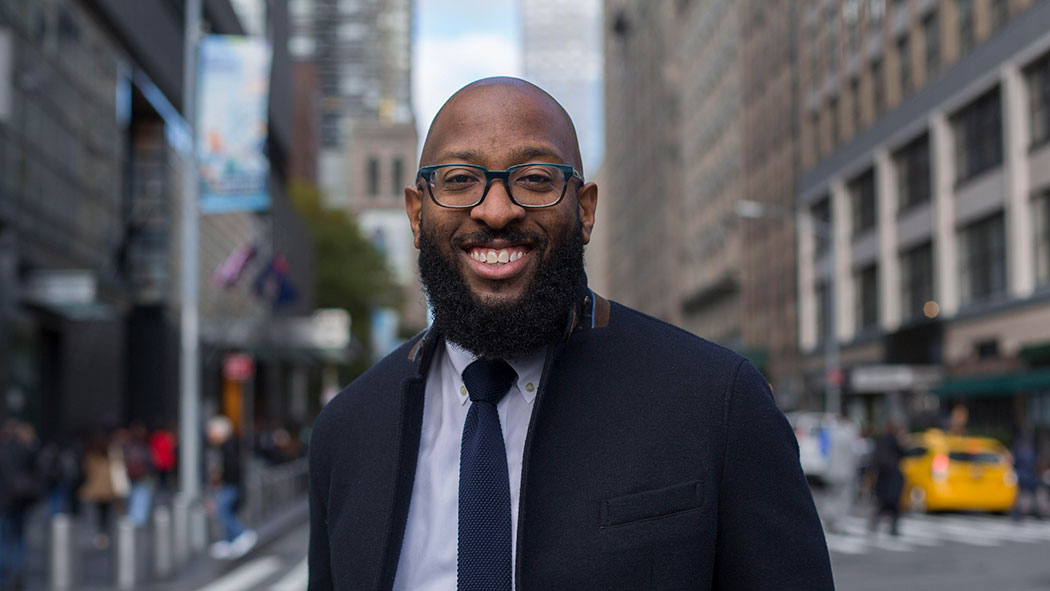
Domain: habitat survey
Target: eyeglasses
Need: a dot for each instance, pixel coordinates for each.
(462, 186)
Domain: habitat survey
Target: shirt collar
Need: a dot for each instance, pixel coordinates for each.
(528, 367)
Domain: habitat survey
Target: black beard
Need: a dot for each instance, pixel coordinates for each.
(504, 330)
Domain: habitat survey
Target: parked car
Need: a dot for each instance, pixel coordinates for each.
(953, 473)
(813, 432)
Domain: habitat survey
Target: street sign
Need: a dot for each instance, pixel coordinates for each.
(238, 367)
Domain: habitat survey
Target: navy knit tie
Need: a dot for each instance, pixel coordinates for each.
(484, 488)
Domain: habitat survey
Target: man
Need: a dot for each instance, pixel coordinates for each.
(224, 467)
(538, 436)
(841, 476)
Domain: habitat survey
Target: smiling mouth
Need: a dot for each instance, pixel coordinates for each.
(497, 256)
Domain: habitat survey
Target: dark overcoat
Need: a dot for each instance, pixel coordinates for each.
(654, 460)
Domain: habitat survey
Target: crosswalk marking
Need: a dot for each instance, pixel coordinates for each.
(245, 576)
(295, 580)
(935, 530)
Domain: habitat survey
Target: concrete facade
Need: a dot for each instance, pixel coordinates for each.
(959, 79)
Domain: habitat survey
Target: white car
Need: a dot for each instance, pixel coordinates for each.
(813, 431)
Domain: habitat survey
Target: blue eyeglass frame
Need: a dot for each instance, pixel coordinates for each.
(568, 170)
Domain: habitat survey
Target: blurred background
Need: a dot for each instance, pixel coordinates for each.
(202, 214)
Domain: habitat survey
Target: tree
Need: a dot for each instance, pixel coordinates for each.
(351, 273)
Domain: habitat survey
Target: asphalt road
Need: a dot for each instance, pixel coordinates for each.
(949, 552)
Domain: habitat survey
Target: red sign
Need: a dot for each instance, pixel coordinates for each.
(836, 377)
(238, 367)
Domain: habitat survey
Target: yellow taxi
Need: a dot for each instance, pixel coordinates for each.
(953, 473)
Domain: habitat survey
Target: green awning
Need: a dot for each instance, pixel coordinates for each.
(1035, 354)
(995, 384)
(758, 356)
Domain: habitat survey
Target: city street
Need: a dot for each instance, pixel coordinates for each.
(956, 551)
(277, 566)
(960, 552)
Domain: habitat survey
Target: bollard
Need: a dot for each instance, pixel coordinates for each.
(63, 553)
(181, 530)
(126, 571)
(198, 528)
(163, 558)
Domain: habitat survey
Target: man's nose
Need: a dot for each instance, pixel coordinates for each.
(497, 210)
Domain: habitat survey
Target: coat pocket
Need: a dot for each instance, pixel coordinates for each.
(651, 504)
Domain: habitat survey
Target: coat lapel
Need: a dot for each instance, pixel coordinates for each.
(410, 426)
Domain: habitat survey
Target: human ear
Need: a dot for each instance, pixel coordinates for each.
(587, 198)
(414, 207)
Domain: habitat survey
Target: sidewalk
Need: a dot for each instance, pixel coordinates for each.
(97, 567)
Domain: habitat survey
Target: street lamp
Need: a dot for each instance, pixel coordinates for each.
(755, 210)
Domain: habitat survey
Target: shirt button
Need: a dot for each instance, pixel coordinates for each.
(529, 387)
(463, 390)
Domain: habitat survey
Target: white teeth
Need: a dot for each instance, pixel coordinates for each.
(494, 257)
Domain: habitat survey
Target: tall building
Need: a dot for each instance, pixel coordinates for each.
(562, 53)
(768, 286)
(640, 168)
(362, 49)
(699, 98)
(925, 147)
(93, 145)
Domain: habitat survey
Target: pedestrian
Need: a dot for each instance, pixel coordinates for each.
(162, 455)
(1025, 462)
(538, 435)
(225, 476)
(101, 488)
(21, 489)
(889, 481)
(59, 466)
(140, 473)
(841, 475)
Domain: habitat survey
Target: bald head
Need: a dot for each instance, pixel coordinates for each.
(496, 105)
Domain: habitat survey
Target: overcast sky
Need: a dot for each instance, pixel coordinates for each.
(457, 42)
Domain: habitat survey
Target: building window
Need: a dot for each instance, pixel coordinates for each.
(998, 13)
(814, 127)
(814, 59)
(831, 34)
(964, 19)
(916, 281)
(931, 35)
(862, 190)
(854, 88)
(1038, 77)
(878, 86)
(988, 349)
(1041, 234)
(833, 112)
(978, 137)
(913, 173)
(904, 65)
(821, 212)
(867, 282)
(397, 173)
(982, 260)
(823, 311)
(373, 176)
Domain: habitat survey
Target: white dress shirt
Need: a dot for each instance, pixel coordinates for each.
(429, 550)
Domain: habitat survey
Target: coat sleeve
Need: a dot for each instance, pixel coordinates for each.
(319, 555)
(769, 535)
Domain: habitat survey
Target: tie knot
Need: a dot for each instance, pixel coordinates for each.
(488, 380)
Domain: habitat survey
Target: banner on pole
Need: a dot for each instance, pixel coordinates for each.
(233, 101)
